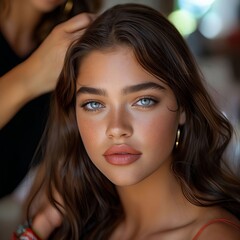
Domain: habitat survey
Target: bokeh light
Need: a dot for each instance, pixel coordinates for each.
(211, 25)
(197, 7)
(184, 21)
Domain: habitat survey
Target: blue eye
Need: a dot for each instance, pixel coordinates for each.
(92, 106)
(145, 102)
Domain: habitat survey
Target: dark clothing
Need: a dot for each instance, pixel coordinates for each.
(20, 136)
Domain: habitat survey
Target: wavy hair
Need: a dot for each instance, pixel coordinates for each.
(91, 204)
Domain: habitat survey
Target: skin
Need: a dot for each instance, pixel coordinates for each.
(141, 119)
(39, 73)
(47, 219)
(45, 5)
(20, 21)
(146, 187)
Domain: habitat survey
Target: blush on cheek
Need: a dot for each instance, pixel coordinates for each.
(162, 132)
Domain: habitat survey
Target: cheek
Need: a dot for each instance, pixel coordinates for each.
(86, 132)
(159, 132)
(91, 134)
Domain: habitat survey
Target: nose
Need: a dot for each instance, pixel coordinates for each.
(119, 124)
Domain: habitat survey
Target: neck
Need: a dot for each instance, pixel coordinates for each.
(18, 25)
(157, 203)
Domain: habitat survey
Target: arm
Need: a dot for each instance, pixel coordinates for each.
(39, 73)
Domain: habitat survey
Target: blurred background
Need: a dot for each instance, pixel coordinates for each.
(212, 31)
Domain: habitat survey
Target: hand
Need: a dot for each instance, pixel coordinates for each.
(46, 221)
(49, 57)
(39, 73)
(47, 218)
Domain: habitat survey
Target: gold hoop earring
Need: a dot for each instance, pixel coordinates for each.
(177, 138)
(68, 6)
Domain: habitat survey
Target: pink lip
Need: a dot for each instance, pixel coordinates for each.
(121, 155)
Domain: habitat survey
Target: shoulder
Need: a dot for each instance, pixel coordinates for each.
(219, 230)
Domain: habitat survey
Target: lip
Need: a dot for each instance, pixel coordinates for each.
(121, 155)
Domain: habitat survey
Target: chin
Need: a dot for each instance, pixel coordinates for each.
(46, 6)
(124, 181)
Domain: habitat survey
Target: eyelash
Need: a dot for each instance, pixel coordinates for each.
(87, 105)
(150, 99)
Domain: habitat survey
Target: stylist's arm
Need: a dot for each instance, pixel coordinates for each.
(39, 73)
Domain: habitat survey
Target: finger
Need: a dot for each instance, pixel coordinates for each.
(78, 22)
(77, 35)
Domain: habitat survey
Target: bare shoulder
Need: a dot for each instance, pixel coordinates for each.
(216, 223)
(221, 231)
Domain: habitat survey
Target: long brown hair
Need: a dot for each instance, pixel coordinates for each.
(91, 204)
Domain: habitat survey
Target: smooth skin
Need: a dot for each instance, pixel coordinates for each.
(38, 74)
(146, 119)
(110, 112)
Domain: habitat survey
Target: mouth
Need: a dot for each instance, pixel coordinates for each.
(121, 155)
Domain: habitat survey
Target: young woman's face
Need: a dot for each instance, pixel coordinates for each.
(127, 118)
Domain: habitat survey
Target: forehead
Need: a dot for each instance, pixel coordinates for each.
(116, 65)
(108, 59)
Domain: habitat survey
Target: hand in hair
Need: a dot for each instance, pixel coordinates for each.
(39, 73)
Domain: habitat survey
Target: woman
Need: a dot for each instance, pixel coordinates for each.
(135, 143)
(26, 79)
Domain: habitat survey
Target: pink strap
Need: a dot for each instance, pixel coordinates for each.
(223, 220)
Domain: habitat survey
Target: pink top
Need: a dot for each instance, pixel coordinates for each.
(223, 220)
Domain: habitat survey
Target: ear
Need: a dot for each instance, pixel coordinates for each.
(182, 117)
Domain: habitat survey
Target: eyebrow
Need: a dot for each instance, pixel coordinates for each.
(126, 90)
(141, 87)
(90, 90)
